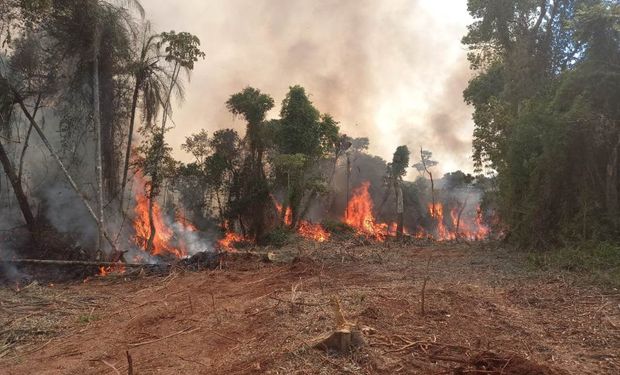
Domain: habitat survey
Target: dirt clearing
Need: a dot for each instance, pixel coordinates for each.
(483, 315)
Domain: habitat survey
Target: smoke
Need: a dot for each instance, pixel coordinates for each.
(390, 70)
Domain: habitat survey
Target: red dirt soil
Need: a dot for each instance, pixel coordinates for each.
(484, 315)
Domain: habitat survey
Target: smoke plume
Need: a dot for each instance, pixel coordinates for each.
(392, 70)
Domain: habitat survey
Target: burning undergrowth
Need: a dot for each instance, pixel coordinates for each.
(458, 224)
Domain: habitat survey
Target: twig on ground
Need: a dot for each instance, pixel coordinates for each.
(185, 331)
(426, 278)
(129, 363)
(111, 366)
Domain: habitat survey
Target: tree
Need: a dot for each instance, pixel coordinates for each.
(252, 199)
(182, 50)
(424, 165)
(303, 137)
(6, 107)
(396, 170)
(150, 81)
(547, 75)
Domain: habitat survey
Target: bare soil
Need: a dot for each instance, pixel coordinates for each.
(484, 314)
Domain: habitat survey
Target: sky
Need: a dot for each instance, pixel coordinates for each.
(390, 70)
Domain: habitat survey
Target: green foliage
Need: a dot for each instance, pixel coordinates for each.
(277, 237)
(457, 179)
(397, 169)
(182, 48)
(546, 114)
(197, 145)
(337, 227)
(302, 138)
(251, 104)
(594, 262)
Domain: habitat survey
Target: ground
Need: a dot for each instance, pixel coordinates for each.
(484, 312)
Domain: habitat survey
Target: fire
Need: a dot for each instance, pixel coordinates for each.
(461, 227)
(118, 268)
(288, 216)
(442, 232)
(184, 222)
(312, 231)
(306, 229)
(359, 214)
(163, 233)
(229, 239)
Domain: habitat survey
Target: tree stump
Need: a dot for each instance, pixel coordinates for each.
(346, 335)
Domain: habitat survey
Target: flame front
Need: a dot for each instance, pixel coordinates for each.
(460, 226)
(359, 214)
(226, 243)
(162, 242)
(312, 231)
(360, 217)
(306, 229)
(118, 268)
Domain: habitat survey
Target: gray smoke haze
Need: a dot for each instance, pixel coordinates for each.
(390, 70)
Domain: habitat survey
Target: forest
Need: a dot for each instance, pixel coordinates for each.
(95, 202)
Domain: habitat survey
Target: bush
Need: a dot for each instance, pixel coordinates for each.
(337, 227)
(596, 262)
(277, 237)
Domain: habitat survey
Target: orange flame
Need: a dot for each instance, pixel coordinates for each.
(360, 217)
(163, 233)
(462, 227)
(118, 268)
(306, 229)
(226, 243)
(312, 231)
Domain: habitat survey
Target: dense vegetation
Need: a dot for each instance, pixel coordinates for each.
(91, 84)
(546, 97)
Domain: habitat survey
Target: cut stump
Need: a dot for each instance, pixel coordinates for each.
(346, 335)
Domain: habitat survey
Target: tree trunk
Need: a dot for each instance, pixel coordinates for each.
(64, 170)
(16, 183)
(432, 193)
(98, 145)
(107, 115)
(155, 177)
(153, 232)
(400, 209)
(134, 105)
(611, 184)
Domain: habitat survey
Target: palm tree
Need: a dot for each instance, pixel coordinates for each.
(150, 80)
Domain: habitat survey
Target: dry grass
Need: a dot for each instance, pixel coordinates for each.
(483, 315)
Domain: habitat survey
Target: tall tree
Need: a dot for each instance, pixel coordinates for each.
(150, 78)
(303, 137)
(182, 50)
(547, 75)
(397, 169)
(253, 198)
(424, 165)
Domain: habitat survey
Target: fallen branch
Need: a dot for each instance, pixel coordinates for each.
(426, 278)
(298, 302)
(129, 363)
(74, 263)
(185, 331)
(111, 366)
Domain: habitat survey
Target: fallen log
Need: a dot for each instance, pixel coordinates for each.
(77, 263)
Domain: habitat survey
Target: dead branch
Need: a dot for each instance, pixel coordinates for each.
(426, 278)
(129, 363)
(111, 366)
(185, 331)
(72, 262)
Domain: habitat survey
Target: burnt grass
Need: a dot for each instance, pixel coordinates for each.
(486, 312)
